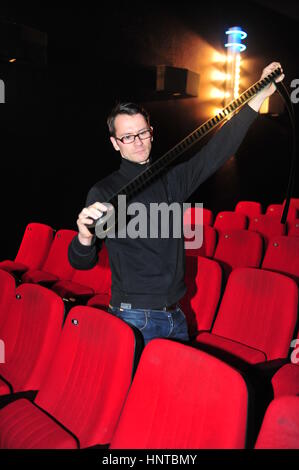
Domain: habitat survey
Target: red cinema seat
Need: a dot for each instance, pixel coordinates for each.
(209, 240)
(276, 210)
(294, 202)
(249, 208)
(33, 249)
(81, 397)
(183, 398)
(293, 228)
(286, 380)
(266, 226)
(280, 427)
(30, 334)
(257, 316)
(85, 283)
(57, 265)
(230, 220)
(7, 295)
(282, 255)
(238, 249)
(203, 280)
(202, 216)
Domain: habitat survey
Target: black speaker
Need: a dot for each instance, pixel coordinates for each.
(177, 81)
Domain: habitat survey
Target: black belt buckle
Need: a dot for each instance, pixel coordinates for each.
(170, 308)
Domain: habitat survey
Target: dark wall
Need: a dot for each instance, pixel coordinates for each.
(54, 141)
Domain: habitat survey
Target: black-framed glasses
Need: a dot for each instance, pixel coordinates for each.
(130, 138)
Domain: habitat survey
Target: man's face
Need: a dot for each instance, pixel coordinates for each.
(125, 125)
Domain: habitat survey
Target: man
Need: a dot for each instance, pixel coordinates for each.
(148, 273)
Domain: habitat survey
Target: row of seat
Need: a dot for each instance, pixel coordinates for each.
(250, 209)
(254, 321)
(264, 224)
(243, 248)
(237, 248)
(44, 260)
(89, 395)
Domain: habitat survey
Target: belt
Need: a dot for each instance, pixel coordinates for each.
(168, 308)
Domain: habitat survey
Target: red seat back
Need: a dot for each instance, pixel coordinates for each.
(266, 226)
(99, 277)
(35, 245)
(249, 208)
(57, 262)
(259, 309)
(183, 398)
(90, 374)
(294, 202)
(293, 228)
(203, 280)
(238, 249)
(280, 427)
(208, 243)
(276, 210)
(230, 220)
(202, 216)
(282, 255)
(30, 333)
(7, 295)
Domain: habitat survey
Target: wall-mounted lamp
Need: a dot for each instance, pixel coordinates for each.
(233, 62)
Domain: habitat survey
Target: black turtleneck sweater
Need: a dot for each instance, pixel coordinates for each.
(149, 272)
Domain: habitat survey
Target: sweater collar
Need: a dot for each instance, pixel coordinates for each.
(131, 169)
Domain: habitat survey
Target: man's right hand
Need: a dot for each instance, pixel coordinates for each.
(87, 216)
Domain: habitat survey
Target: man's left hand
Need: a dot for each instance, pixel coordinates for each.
(271, 88)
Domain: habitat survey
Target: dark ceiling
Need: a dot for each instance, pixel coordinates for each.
(288, 8)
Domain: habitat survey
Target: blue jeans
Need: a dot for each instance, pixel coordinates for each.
(155, 323)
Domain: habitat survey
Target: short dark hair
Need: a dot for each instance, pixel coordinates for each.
(125, 108)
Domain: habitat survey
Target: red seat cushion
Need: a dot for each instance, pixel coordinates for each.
(72, 289)
(11, 266)
(27, 427)
(99, 299)
(248, 354)
(38, 276)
